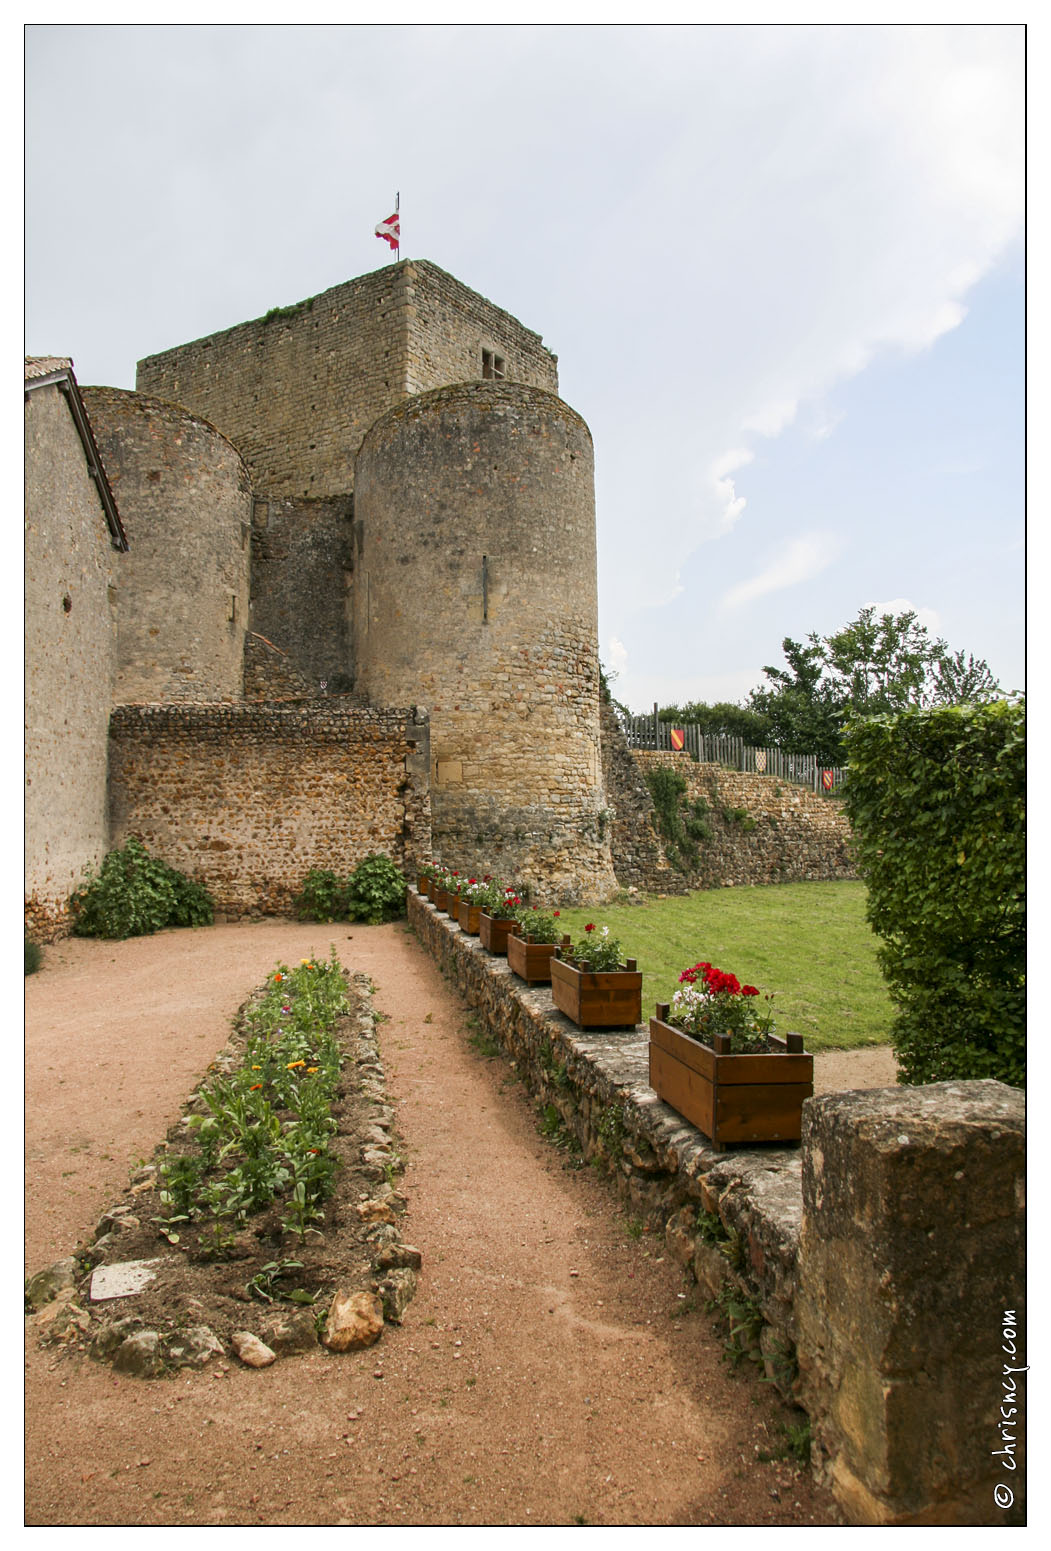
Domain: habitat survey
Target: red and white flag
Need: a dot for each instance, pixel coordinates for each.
(390, 230)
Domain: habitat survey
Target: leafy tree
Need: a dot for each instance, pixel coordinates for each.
(877, 665)
(959, 682)
(805, 707)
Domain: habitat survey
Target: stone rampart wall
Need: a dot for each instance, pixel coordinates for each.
(249, 798)
(763, 830)
(843, 1262)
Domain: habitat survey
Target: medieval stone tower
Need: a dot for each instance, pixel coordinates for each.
(475, 592)
(378, 495)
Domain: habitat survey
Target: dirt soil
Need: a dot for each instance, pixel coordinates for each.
(552, 1368)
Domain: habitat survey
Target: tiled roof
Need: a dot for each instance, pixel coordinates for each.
(44, 365)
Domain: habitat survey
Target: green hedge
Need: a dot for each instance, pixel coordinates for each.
(937, 801)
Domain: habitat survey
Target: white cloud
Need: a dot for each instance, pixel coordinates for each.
(924, 616)
(797, 561)
(838, 193)
(732, 505)
(618, 655)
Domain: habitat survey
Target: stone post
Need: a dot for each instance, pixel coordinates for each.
(911, 1301)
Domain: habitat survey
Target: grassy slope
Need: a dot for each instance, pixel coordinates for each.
(808, 943)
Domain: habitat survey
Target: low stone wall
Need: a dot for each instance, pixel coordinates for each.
(664, 1169)
(764, 830)
(248, 799)
(741, 1226)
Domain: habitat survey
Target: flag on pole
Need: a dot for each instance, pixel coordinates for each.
(390, 230)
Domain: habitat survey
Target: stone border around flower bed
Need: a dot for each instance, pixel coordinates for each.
(62, 1309)
(668, 1174)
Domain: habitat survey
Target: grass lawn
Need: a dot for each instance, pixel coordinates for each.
(808, 943)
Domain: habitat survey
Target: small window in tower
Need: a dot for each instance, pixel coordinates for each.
(492, 364)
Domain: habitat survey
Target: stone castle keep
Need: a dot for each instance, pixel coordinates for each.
(346, 601)
(324, 585)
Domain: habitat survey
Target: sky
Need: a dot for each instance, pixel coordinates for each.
(781, 267)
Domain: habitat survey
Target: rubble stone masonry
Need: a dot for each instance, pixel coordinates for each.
(763, 830)
(247, 799)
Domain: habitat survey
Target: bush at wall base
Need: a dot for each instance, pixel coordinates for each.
(134, 894)
(374, 892)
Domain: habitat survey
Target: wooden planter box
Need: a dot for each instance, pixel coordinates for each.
(756, 1098)
(606, 999)
(422, 886)
(439, 898)
(531, 961)
(468, 915)
(493, 932)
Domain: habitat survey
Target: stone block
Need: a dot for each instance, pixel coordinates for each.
(911, 1251)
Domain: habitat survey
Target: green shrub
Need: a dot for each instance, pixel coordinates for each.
(134, 894)
(376, 891)
(33, 957)
(322, 897)
(680, 825)
(937, 801)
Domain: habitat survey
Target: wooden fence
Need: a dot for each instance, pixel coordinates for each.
(649, 732)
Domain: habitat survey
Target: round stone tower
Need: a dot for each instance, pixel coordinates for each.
(183, 590)
(476, 598)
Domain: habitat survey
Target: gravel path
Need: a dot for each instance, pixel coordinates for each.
(549, 1370)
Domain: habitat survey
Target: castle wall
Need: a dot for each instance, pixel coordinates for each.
(183, 590)
(297, 389)
(70, 663)
(301, 597)
(450, 327)
(762, 831)
(249, 799)
(476, 597)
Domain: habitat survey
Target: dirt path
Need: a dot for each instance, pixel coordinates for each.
(547, 1372)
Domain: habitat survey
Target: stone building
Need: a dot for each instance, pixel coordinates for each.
(73, 543)
(361, 528)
